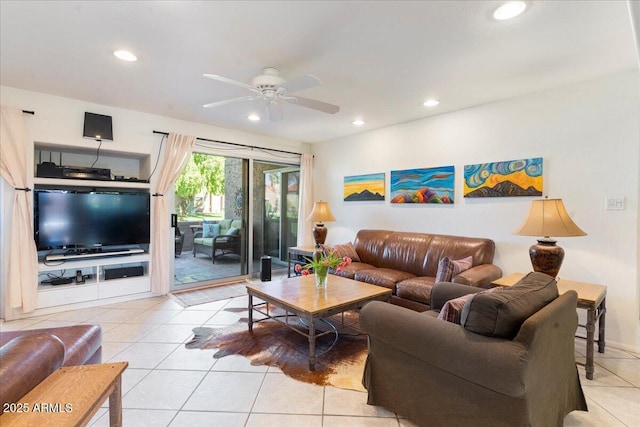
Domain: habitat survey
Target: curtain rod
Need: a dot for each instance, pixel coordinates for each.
(29, 112)
(236, 144)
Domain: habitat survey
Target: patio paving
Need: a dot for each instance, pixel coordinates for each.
(189, 269)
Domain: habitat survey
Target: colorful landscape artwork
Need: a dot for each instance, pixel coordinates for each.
(361, 188)
(431, 185)
(510, 178)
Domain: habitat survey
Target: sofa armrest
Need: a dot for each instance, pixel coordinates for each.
(445, 291)
(481, 275)
(197, 234)
(25, 362)
(496, 363)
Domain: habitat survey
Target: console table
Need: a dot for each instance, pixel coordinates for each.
(591, 298)
(70, 397)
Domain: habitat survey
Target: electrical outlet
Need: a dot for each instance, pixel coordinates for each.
(614, 203)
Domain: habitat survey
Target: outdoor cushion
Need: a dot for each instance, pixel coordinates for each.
(210, 229)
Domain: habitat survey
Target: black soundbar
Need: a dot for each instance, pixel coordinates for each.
(122, 272)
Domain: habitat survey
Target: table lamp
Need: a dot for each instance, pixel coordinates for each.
(548, 217)
(320, 214)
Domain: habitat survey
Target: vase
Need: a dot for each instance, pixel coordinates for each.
(321, 277)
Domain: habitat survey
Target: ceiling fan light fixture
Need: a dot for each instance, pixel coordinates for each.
(125, 55)
(509, 10)
(431, 103)
(254, 117)
(358, 122)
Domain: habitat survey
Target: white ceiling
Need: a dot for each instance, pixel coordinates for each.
(378, 60)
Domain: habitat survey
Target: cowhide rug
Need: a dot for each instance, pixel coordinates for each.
(274, 344)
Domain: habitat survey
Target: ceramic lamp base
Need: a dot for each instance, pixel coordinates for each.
(319, 233)
(546, 257)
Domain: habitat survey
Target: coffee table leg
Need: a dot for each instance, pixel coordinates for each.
(312, 345)
(250, 313)
(115, 404)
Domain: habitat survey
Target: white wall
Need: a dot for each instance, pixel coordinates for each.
(589, 137)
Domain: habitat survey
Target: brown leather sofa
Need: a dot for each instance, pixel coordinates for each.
(28, 357)
(438, 373)
(407, 263)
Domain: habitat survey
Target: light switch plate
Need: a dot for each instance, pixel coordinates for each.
(615, 203)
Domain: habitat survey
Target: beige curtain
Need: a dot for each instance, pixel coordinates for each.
(22, 270)
(176, 158)
(305, 233)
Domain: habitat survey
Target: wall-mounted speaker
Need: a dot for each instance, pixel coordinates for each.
(97, 126)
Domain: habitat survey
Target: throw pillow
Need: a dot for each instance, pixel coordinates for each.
(232, 231)
(448, 268)
(210, 229)
(452, 310)
(502, 312)
(343, 250)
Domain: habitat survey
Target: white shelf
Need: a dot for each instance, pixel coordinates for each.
(59, 182)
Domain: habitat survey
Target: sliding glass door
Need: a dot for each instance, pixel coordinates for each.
(211, 203)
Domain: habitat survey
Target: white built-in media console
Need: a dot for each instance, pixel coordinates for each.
(92, 231)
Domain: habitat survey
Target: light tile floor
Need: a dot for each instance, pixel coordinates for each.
(168, 385)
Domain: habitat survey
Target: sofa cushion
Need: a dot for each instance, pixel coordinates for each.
(343, 250)
(382, 277)
(232, 231)
(206, 241)
(448, 268)
(224, 225)
(350, 271)
(416, 289)
(502, 312)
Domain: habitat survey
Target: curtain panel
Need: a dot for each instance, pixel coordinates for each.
(177, 156)
(22, 270)
(305, 228)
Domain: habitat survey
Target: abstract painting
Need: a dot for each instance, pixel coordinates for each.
(431, 185)
(510, 178)
(360, 188)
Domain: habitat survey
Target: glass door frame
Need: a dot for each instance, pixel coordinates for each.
(243, 154)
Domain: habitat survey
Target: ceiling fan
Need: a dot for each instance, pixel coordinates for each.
(273, 89)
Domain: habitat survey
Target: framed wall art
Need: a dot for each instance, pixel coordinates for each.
(364, 188)
(430, 185)
(510, 178)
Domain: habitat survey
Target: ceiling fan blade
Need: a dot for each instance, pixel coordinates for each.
(230, 101)
(313, 104)
(300, 83)
(231, 82)
(274, 111)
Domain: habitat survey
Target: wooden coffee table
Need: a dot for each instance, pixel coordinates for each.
(298, 296)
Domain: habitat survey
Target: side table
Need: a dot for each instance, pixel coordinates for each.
(70, 397)
(294, 254)
(591, 298)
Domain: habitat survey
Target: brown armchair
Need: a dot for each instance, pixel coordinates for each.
(438, 373)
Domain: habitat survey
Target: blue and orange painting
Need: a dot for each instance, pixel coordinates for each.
(361, 188)
(522, 177)
(430, 185)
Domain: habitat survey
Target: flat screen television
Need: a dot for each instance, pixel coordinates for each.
(78, 219)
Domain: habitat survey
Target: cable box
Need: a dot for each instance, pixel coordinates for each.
(75, 172)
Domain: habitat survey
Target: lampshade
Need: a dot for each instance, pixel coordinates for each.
(548, 217)
(321, 213)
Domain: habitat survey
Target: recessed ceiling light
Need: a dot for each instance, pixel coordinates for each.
(509, 10)
(254, 117)
(431, 103)
(358, 122)
(125, 55)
